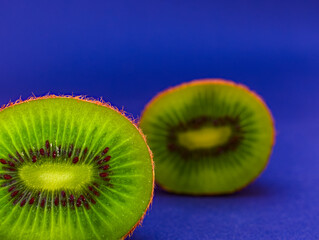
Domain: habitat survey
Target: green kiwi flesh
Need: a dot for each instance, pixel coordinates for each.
(208, 137)
(71, 168)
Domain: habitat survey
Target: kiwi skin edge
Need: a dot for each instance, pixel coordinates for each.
(216, 81)
(99, 102)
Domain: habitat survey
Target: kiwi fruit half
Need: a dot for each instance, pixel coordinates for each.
(208, 136)
(71, 168)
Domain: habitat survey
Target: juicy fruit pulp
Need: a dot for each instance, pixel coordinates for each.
(208, 137)
(71, 169)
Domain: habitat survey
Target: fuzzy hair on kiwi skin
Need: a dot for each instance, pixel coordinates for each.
(99, 102)
(216, 81)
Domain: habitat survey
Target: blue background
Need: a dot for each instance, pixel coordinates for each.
(127, 51)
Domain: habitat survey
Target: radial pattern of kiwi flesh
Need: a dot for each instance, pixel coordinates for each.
(71, 169)
(208, 137)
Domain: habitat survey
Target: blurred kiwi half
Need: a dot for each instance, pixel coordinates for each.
(208, 137)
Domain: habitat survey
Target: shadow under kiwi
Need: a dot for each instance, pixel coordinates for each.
(256, 189)
(171, 211)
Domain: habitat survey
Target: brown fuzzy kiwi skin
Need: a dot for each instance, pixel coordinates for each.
(99, 102)
(216, 81)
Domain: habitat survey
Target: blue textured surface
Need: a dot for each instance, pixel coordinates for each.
(128, 51)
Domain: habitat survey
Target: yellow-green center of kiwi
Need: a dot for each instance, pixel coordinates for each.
(54, 177)
(205, 137)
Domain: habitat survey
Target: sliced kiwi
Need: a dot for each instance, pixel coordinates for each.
(71, 168)
(208, 137)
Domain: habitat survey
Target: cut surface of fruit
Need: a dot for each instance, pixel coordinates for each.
(208, 136)
(58, 177)
(71, 168)
(205, 137)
